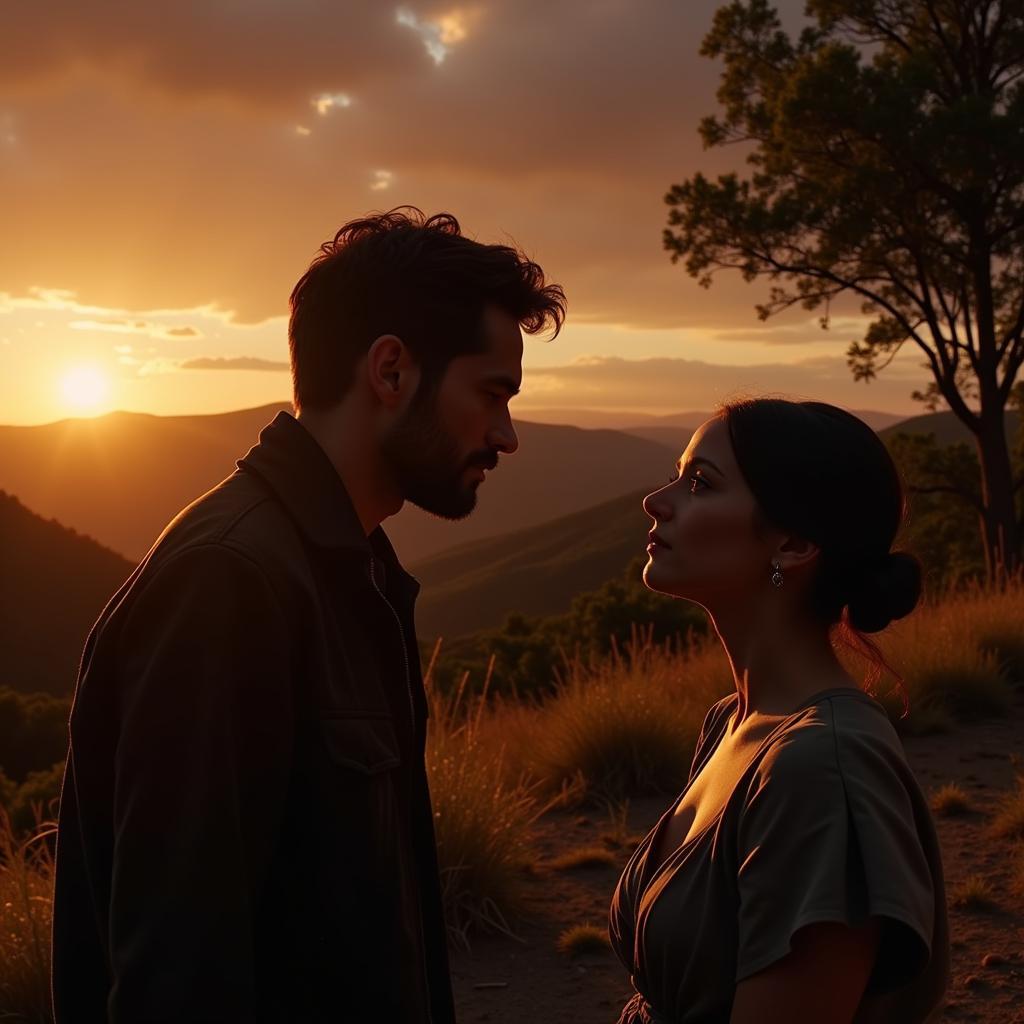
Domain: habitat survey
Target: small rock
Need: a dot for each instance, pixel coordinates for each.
(992, 960)
(973, 981)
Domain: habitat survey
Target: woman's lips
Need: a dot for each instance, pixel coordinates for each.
(656, 542)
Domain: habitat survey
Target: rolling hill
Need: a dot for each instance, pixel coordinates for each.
(537, 570)
(121, 477)
(54, 583)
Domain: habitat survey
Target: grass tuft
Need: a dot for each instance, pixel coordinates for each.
(581, 939)
(1008, 821)
(974, 893)
(587, 857)
(950, 801)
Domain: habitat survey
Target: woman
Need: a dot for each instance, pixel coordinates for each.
(797, 877)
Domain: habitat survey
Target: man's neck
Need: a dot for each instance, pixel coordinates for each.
(347, 440)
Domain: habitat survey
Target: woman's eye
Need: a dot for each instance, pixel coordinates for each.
(694, 480)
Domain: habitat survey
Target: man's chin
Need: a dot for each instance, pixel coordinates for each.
(448, 506)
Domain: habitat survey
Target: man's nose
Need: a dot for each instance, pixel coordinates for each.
(503, 436)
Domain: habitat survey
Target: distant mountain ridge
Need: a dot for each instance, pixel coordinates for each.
(121, 478)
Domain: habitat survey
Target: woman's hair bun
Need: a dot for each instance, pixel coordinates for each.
(885, 590)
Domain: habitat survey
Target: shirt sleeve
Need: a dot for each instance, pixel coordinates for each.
(829, 831)
(201, 775)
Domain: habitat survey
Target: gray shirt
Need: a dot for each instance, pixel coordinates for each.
(826, 823)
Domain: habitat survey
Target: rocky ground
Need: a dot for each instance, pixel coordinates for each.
(503, 980)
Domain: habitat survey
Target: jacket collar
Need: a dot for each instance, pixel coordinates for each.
(288, 459)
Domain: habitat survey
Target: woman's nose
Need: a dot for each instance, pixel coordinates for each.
(656, 506)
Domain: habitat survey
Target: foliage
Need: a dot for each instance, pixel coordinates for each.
(886, 154)
(530, 654)
(33, 732)
(37, 795)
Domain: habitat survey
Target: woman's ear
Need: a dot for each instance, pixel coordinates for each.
(391, 371)
(796, 553)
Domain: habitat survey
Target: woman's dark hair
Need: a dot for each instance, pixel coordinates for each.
(825, 475)
(413, 276)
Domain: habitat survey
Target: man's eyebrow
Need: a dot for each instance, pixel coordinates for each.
(509, 384)
(699, 460)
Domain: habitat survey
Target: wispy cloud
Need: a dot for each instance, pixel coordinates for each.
(671, 385)
(328, 101)
(234, 363)
(146, 327)
(382, 180)
(439, 34)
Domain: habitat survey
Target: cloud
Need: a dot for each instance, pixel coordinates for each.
(382, 180)
(114, 325)
(326, 102)
(672, 385)
(234, 363)
(441, 33)
(203, 175)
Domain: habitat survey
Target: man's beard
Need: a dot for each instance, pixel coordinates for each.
(426, 462)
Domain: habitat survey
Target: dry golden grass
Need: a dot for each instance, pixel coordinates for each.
(627, 726)
(951, 800)
(1008, 821)
(949, 655)
(975, 893)
(1017, 872)
(26, 905)
(581, 939)
(483, 817)
(585, 857)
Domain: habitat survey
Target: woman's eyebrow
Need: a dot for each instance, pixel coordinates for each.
(699, 460)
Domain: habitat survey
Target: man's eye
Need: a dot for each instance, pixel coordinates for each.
(694, 480)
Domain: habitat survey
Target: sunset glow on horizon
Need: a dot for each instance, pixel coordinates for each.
(164, 182)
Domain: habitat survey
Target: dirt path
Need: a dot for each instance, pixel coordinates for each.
(503, 981)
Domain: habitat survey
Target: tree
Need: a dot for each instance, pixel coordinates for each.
(886, 146)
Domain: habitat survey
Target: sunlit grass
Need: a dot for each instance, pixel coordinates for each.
(483, 814)
(951, 801)
(975, 893)
(584, 857)
(626, 726)
(1008, 820)
(581, 939)
(26, 906)
(951, 673)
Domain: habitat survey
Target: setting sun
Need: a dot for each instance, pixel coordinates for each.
(85, 387)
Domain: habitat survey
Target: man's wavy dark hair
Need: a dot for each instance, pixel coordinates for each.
(410, 275)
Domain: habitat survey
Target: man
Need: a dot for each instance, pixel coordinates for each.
(245, 828)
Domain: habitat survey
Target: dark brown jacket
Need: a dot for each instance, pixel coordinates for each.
(245, 828)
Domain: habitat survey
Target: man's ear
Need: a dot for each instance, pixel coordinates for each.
(392, 373)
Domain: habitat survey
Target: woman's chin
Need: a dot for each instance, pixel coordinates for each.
(656, 578)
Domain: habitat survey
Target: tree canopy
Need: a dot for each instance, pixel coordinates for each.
(886, 153)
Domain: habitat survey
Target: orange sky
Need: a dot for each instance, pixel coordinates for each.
(167, 172)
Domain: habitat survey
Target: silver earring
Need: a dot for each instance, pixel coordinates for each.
(777, 580)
